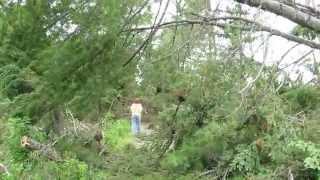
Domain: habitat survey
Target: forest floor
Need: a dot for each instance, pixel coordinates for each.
(146, 131)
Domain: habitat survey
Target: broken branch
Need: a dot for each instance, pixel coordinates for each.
(45, 150)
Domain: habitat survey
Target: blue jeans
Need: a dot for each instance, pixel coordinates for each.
(135, 124)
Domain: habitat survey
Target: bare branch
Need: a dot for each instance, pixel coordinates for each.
(151, 34)
(298, 60)
(214, 22)
(286, 53)
(265, 53)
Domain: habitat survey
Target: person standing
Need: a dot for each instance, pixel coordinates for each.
(136, 110)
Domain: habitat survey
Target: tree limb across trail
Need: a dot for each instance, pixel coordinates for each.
(44, 150)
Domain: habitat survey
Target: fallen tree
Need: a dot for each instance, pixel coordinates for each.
(45, 150)
(65, 124)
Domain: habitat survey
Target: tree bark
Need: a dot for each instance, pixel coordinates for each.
(286, 11)
(58, 120)
(45, 150)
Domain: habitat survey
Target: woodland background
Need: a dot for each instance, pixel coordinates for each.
(69, 70)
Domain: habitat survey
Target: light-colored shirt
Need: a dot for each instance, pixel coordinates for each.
(136, 109)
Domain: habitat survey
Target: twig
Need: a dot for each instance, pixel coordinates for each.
(68, 112)
(55, 142)
(130, 18)
(151, 34)
(226, 174)
(250, 83)
(298, 60)
(287, 52)
(206, 173)
(280, 86)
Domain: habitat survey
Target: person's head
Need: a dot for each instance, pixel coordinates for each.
(136, 100)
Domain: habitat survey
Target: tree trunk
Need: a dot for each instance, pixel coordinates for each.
(286, 11)
(58, 121)
(45, 150)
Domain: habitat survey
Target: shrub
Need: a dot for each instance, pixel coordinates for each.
(311, 154)
(18, 127)
(303, 99)
(246, 160)
(117, 133)
(73, 169)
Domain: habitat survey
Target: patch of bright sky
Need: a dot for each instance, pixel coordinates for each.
(277, 45)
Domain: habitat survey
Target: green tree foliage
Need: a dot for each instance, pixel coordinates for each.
(117, 133)
(18, 128)
(303, 98)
